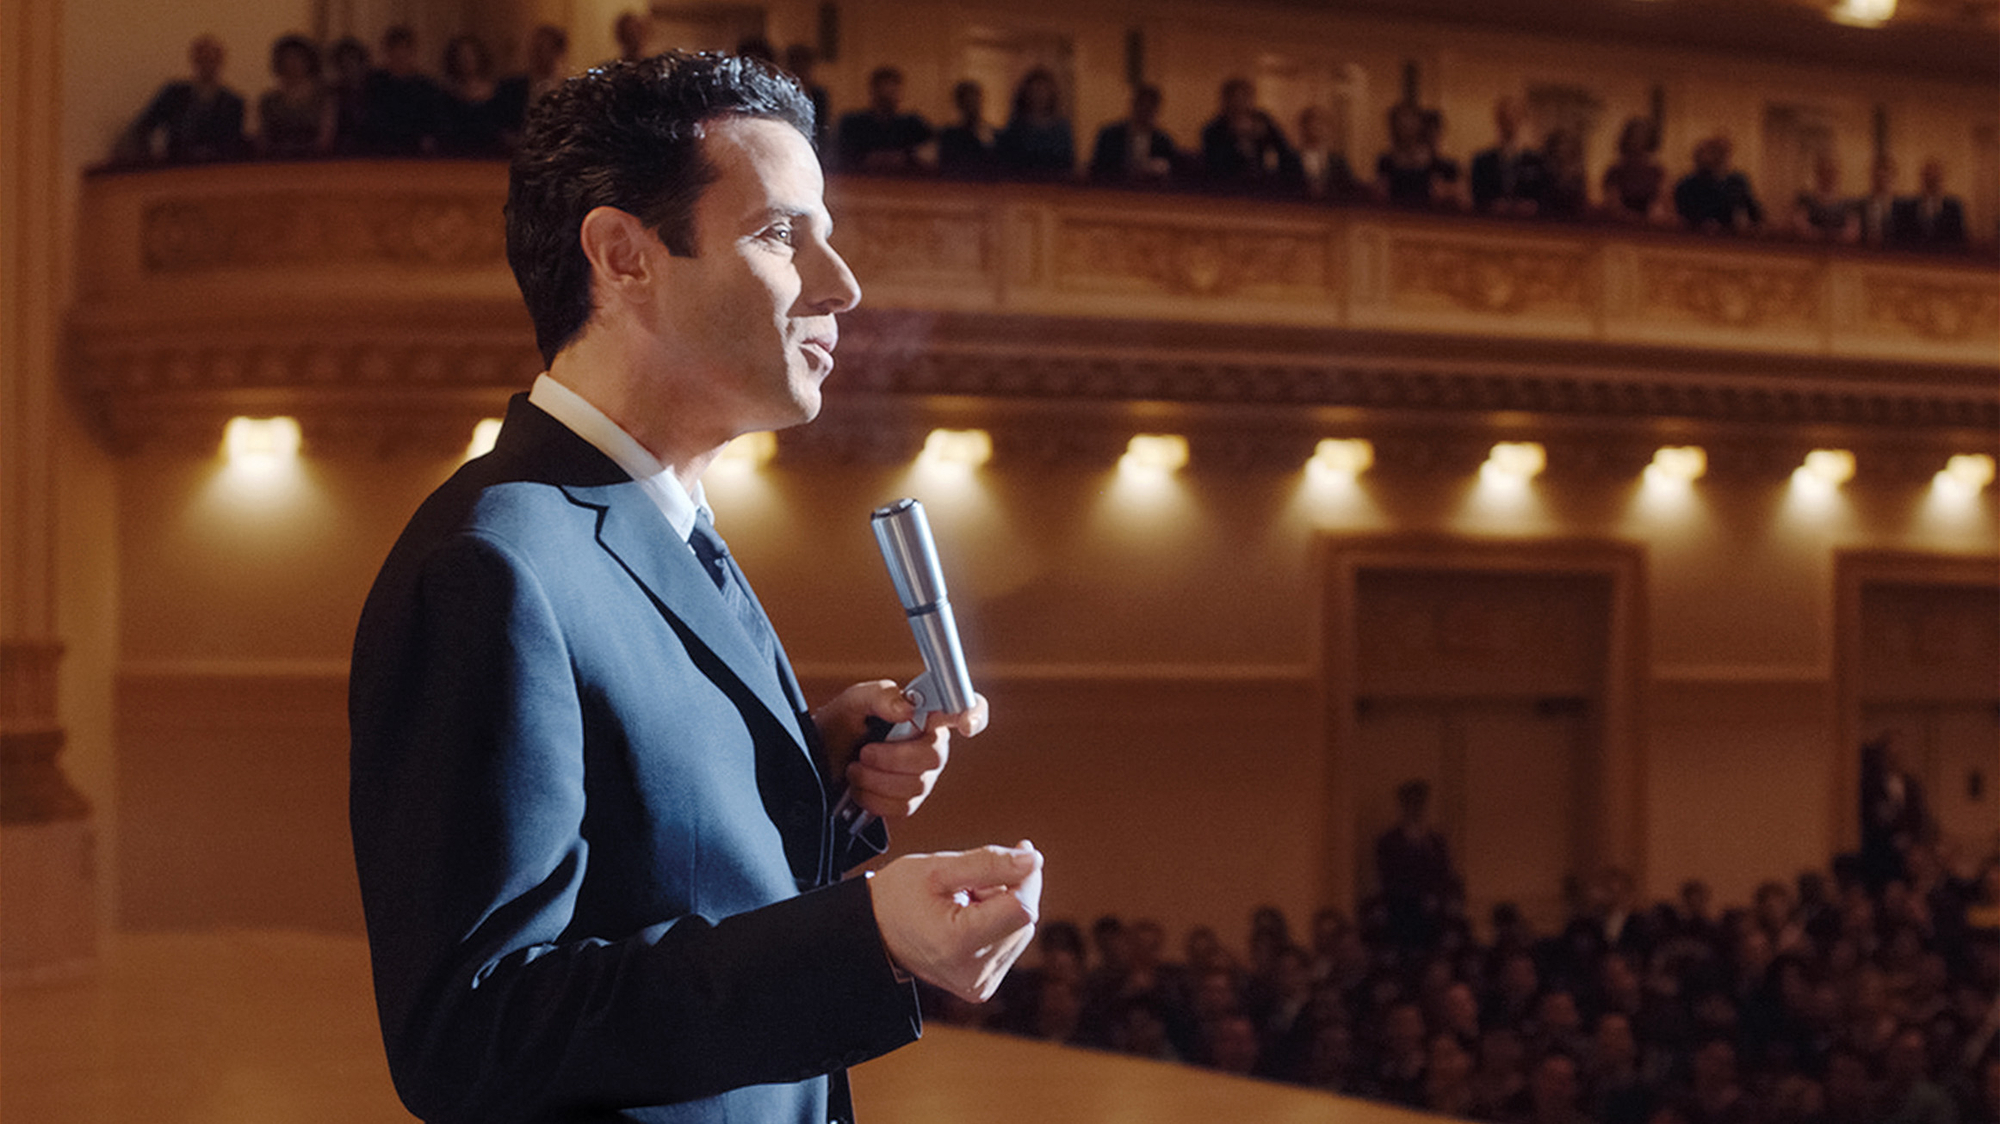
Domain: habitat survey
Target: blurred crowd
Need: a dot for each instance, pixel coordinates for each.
(1870, 996)
(344, 99)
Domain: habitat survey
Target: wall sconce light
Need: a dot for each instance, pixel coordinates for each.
(1516, 460)
(1682, 463)
(1969, 471)
(1862, 13)
(265, 441)
(964, 448)
(1830, 467)
(749, 451)
(1343, 456)
(1155, 452)
(483, 437)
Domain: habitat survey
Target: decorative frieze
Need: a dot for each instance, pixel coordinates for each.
(1944, 311)
(1740, 295)
(416, 231)
(1181, 259)
(1500, 280)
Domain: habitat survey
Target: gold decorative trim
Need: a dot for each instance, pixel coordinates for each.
(419, 230)
(1941, 311)
(945, 245)
(1733, 296)
(1490, 279)
(1136, 255)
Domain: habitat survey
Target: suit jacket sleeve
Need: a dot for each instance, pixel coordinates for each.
(469, 816)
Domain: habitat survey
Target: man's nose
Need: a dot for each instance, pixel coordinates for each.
(830, 286)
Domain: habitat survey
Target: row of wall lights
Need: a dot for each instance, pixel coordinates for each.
(251, 440)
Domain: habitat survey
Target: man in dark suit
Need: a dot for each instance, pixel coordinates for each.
(195, 119)
(1508, 179)
(1135, 150)
(591, 809)
(1931, 220)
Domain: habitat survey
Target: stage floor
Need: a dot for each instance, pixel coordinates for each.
(279, 1028)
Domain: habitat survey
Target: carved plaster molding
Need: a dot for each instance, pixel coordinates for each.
(1769, 294)
(1939, 311)
(1491, 279)
(419, 230)
(1099, 254)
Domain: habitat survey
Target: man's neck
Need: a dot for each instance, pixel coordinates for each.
(607, 381)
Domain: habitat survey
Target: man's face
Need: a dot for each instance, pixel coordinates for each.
(746, 326)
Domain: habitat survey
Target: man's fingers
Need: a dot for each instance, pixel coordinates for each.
(987, 866)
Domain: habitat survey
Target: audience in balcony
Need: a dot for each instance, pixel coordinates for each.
(477, 113)
(349, 86)
(1320, 168)
(1822, 211)
(1242, 148)
(403, 112)
(1635, 183)
(1136, 150)
(800, 61)
(189, 120)
(1037, 142)
(1819, 1003)
(1413, 173)
(1509, 178)
(882, 137)
(296, 117)
(1874, 213)
(1715, 197)
(965, 148)
(397, 110)
(631, 32)
(1930, 219)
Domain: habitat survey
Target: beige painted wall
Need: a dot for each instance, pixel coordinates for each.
(1151, 668)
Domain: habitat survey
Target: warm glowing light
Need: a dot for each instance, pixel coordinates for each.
(968, 448)
(268, 441)
(1517, 460)
(1863, 13)
(1155, 452)
(751, 450)
(1684, 463)
(1971, 471)
(483, 437)
(1349, 456)
(1832, 467)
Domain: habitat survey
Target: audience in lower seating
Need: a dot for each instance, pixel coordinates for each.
(1822, 1001)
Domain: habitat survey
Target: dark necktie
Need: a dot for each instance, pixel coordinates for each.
(728, 577)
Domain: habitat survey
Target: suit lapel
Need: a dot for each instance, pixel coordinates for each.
(634, 532)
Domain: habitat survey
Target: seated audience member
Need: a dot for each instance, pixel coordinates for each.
(1821, 211)
(189, 120)
(1242, 146)
(1633, 183)
(1319, 169)
(1507, 179)
(800, 60)
(297, 116)
(1135, 150)
(475, 115)
(1874, 218)
(631, 30)
(1037, 142)
(402, 111)
(966, 148)
(1553, 1090)
(1411, 173)
(1716, 197)
(349, 87)
(548, 65)
(1932, 219)
(1448, 1077)
(1909, 1094)
(881, 138)
(1565, 182)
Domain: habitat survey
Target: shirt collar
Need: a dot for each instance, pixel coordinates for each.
(590, 423)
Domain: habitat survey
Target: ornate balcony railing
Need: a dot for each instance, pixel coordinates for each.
(373, 301)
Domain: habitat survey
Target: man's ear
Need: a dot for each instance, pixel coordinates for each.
(619, 248)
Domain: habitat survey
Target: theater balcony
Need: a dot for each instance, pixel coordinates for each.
(372, 301)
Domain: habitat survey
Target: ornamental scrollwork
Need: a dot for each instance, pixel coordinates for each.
(1101, 254)
(1948, 313)
(1732, 296)
(295, 229)
(1503, 281)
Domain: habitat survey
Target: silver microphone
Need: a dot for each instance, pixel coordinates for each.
(945, 686)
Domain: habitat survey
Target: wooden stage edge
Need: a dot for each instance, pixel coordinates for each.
(263, 1027)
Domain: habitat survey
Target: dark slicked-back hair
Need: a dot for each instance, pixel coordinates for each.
(625, 135)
